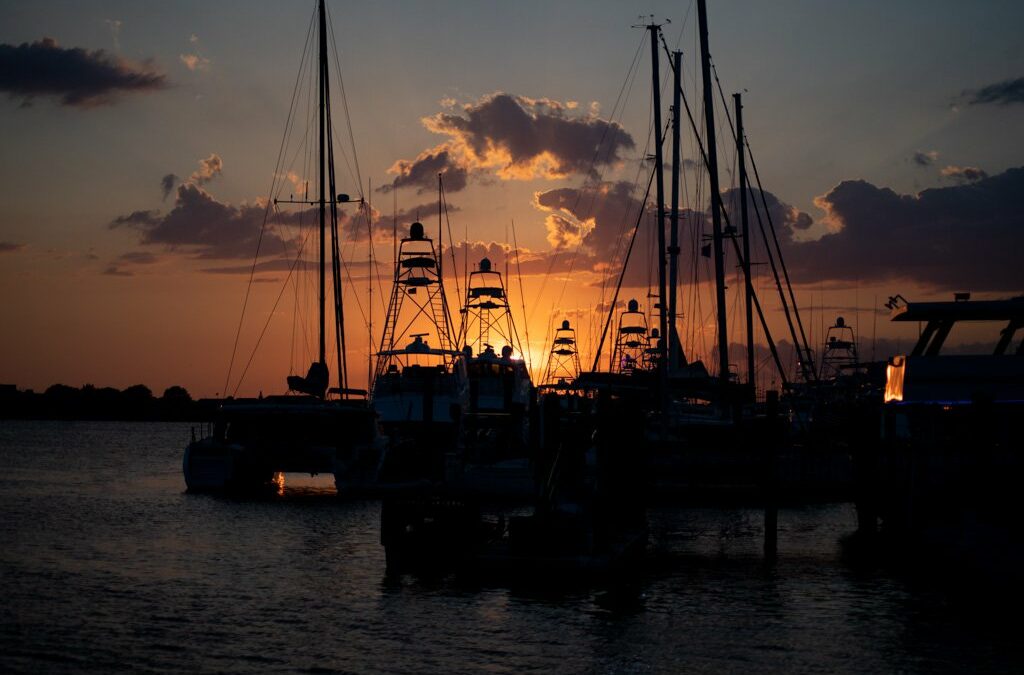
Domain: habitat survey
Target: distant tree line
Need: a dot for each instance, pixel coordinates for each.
(61, 402)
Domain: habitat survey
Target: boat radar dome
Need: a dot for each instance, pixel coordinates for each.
(416, 230)
(840, 322)
(485, 265)
(634, 306)
(565, 324)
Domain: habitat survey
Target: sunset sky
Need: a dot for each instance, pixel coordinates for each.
(140, 142)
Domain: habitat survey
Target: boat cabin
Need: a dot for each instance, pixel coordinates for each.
(927, 375)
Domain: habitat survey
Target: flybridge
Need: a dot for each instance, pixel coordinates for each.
(941, 316)
(926, 376)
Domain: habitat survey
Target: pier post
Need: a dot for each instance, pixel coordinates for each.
(771, 504)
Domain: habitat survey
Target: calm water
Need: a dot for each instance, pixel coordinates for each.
(107, 564)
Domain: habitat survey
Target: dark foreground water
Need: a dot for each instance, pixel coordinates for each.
(107, 564)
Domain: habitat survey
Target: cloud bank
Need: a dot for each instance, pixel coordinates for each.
(514, 138)
(999, 93)
(201, 225)
(77, 77)
(965, 237)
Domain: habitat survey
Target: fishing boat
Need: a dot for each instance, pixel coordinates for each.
(496, 452)
(315, 427)
(420, 387)
(946, 475)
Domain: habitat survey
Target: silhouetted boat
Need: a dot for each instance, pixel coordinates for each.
(316, 428)
(419, 390)
(496, 448)
(948, 470)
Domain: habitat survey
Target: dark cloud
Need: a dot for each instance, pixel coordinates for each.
(76, 76)
(136, 218)
(421, 173)
(963, 174)
(1000, 93)
(599, 213)
(10, 247)
(515, 137)
(922, 158)
(200, 224)
(964, 237)
(783, 216)
(167, 184)
(115, 271)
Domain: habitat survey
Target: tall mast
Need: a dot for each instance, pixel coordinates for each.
(369, 283)
(323, 174)
(716, 215)
(660, 192)
(745, 225)
(440, 232)
(673, 250)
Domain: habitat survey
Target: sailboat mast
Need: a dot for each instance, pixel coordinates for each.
(440, 232)
(745, 229)
(323, 176)
(673, 250)
(716, 215)
(660, 196)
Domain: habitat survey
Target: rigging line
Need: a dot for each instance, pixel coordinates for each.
(725, 214)
(451, 239)
(270, 317)
(593, 161)
(380, 283)
(620, 236)
(764, 321)
(339, 304)
(642, 211)
(622, 274)
(368, 213)
(344, 104)
(522, 298)
(296, 314)
(266, 211)
(631, 79)
(771, 226)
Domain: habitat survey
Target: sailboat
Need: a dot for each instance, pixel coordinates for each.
(314, 428)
